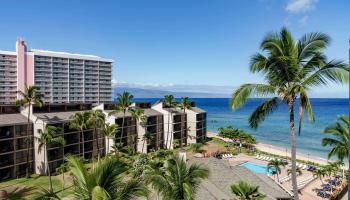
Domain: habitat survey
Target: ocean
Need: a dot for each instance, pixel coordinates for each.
(275, 129)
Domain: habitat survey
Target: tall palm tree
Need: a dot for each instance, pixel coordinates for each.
(48, 137)
(245, 191)
(276, 166)
(80, 121)
(169, 102)
(105, 180)
(185, 104)
(124, 103)
(291, 68)
(319, 173)
(339, 140)
(139, 115)
(109, 131)
(97, 120)
(178, 181)
(30, 97)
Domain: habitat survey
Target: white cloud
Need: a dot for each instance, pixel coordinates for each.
(303, 21)
(296, 6)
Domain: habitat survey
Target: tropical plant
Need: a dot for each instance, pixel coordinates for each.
(105, 180)
(63, 168)
(236, 134)
(49, 137)
(178, 181)
(319, 173)
(124, 103)
(185, 104)
(291, 68)
(46, 195)
(275, 165)
(196, 147)
(109, 131)
(97, 121)
(169, 102)
(29, 98)
(80, 121)
(147, 138)
(245, 191)
(298, 171)
(339, 140)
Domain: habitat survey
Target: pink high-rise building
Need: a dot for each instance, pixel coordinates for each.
(62, 77)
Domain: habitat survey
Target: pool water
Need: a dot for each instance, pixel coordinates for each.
(258, 168)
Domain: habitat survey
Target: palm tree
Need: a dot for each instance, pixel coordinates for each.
(63, 168)
(49, 137)
(185, 104)
(169, 102)
(105, 180)
(276, 166)
(291, 68)
(109, 131)
(147, 137)
(319, 173)
(124, 103)
(178, 181)
(30, 97)
(339, 140)
(298, 170)
(139, 115)
(80, 121)
(245, 191)
(96, 120)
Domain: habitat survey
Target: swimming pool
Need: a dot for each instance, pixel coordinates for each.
(258, 168)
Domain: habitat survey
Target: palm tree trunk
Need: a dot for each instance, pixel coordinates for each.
(122, 133)
(107, 145)
(28, 143)
(293, 148)
(83, 141)
(48, 168)
(97, 145)
(143, 145)
(167, 136)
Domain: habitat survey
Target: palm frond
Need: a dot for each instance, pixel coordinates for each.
(241, 95)
(262, 111)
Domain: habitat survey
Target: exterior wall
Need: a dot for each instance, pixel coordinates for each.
(61, 77)
(8, 77)
(167, 125)
(191, 125)
(13, 151)
(197, 126)
(63, 80)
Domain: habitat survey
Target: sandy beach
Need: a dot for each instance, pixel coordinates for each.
(279, 151)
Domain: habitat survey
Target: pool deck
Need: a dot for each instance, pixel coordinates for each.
(222, 176)
(306, 193)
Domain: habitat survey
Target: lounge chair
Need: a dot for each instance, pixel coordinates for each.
(286, 178)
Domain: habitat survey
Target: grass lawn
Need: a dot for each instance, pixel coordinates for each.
(31, 186)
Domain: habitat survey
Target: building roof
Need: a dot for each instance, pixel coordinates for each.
(12, 119)
(55, 117)
(69, 55)
(222, 175)
(148, 112)
(197, 110)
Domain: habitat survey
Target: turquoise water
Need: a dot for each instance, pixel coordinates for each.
(258, 168)
(275, 129)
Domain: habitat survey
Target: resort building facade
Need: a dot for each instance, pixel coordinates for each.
(61, 77)
(69, 84)
(13, 143)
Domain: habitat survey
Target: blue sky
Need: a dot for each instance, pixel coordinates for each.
(167, 43)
